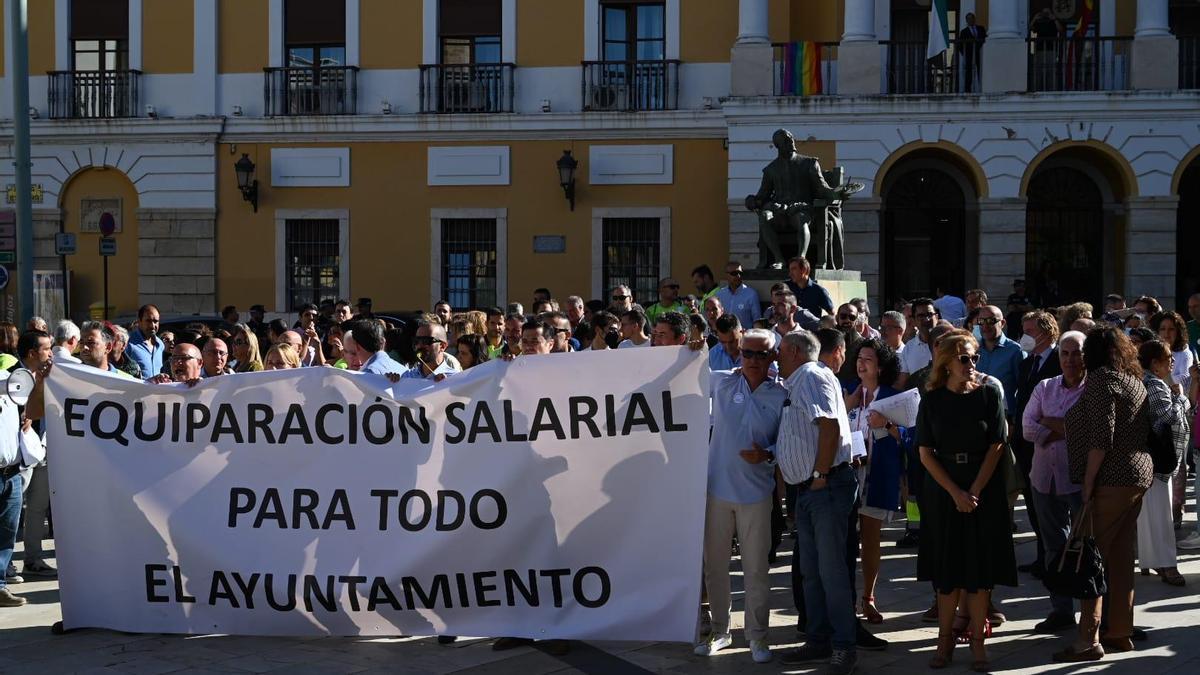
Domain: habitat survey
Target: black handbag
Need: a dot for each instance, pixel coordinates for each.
(1078, 570)
(1161, 447)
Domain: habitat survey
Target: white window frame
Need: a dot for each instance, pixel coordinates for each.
(592, 29)
(430, 47)
(435, 248)
(663, 214)
(281, 270)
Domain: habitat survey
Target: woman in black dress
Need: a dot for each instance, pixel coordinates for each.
(966, 538)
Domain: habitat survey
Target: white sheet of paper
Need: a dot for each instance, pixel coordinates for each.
(899, 409)
(858, 445)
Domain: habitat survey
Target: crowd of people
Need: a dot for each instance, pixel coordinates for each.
(1086, 414)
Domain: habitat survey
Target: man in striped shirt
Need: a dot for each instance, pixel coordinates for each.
(813, 452)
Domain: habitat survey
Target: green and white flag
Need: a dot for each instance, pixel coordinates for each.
(939, 29)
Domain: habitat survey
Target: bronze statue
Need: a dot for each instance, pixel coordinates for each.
(793, 191)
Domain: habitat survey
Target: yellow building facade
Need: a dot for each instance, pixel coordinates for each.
(408, 150)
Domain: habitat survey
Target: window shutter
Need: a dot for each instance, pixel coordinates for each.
(469, 18)
(314, 22)
(99, 19)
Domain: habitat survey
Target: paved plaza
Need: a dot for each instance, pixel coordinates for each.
(1170, 615)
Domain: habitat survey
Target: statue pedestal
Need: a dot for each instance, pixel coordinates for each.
(841, 284)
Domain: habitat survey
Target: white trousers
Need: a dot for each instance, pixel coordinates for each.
(1155, 527)
(752, 522)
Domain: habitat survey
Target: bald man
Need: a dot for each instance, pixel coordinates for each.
(185, 366)
(432, 361)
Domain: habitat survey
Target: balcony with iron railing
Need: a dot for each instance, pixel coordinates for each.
(805, 69)
(630, 86)
(93, 95)
(908, 70)
(1079, 63)
(467, 88)
(327, 90)
(1189, 62)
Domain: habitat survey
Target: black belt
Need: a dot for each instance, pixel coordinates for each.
(836, 469)
(10, 471)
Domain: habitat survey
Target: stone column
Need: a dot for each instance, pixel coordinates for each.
(1005, 56)
(752, 60)
(1001, 244)
(1150, 224)
(1155, 58)
(177, 259)
(859, 56)
(860, 226)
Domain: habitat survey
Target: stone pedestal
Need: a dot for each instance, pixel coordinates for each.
(177, 259)
(1155, 63)
(843, 285)
(1004, 66)
(859, 68)
(1150, 248)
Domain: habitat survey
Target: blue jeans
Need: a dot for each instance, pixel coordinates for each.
(1055, 513)
(822, 519)
(10, 516)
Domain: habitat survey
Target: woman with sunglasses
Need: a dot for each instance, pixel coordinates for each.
(247, 358)
(966, 543)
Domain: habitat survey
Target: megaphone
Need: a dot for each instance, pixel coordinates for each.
(19, 386)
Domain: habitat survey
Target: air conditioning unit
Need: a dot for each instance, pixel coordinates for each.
(610, 97)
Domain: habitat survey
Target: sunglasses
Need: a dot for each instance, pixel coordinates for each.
(672, 286)
(989, 321)
(426, 340)
(240, 343)
(734, 273)
(846, 317)
(618, 298)
(968, 359)
(182, 359)
(754, 354)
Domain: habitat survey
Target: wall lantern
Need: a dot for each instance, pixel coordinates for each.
(566, 175)
(247, 183)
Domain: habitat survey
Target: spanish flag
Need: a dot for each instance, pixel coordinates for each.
(1086, 14)
(802, 69)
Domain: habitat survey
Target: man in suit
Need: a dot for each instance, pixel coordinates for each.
(1040, 341)
(784, 201)
(970, 48)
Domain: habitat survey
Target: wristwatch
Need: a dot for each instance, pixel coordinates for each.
(816, 475)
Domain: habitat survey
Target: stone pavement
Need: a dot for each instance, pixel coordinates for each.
(1171, 615)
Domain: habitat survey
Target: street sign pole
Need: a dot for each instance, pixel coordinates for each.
(105, 287)
(19, 74)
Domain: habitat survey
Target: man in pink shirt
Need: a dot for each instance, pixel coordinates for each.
(1055, 498)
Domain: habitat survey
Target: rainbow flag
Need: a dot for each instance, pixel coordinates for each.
(802, 68)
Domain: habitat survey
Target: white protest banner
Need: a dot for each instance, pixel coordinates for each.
(557, 496)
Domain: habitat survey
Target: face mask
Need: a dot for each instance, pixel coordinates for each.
(1028, 342)
(612, 339)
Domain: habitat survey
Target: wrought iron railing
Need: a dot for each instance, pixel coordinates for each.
(328, 90)
(91, 95)
(467, 88)
(1189, 62)
(630, 85)
(801, 72)
(907, 70)
(1079, 63)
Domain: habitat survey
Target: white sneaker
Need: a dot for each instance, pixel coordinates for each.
(1190, 542)
(715, 643)
(760, 651)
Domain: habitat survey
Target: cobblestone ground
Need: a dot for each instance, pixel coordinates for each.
(1170, 615)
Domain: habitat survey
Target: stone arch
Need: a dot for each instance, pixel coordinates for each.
(949, 152)
(1115, 167)
(1188, 160)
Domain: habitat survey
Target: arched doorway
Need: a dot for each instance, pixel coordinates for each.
(84, 198)
(1065, 236)
(928, 208)
(1187, 235)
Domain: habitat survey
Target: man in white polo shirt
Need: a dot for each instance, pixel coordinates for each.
(917, 352)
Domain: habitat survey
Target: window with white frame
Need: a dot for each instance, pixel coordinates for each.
(312, 260)
(631, 250)
(468, 262)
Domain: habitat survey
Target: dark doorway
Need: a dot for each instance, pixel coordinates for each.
(924, 235)
(1187, 236)
(1064, 237)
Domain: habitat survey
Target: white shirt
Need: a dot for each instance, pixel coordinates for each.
(813, 392)
(916, 355)
(625, 344)
(61, 355)
(10, 427)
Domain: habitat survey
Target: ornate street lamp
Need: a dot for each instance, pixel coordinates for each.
(566, 175)
(247, 183)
